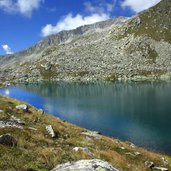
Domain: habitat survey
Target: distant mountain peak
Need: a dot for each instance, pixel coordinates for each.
(117, 49)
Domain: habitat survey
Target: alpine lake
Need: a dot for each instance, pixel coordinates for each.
(139, 112)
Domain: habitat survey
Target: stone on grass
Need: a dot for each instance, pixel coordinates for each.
(31, 128)
(8, 140)
(161, 169)
(166, 162)
(22, 107)
(122, 148)
(83, 149)
(149, 164)
(92, 134)
(132, 145)
(10, 123)
(41, 111)
(85, 165)
(50, 131)
(16, 120)
(137, 153)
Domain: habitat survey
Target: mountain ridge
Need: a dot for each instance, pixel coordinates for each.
(117, 49)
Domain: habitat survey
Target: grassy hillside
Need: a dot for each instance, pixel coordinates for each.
(37, 150)
(153, 23)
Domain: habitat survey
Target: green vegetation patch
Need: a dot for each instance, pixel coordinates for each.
(37, 151)
(145, 49)
(153, 23)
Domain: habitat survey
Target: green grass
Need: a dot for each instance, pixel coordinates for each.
(152, 55)
(145, 50)
(154, 23)
(36, 150)
(112, 77)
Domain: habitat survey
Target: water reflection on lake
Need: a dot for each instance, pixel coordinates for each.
(137, 111)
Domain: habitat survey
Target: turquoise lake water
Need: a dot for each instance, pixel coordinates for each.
(139, 112)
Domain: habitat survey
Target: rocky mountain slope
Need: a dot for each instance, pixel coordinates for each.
(121, 48)
(31, 140)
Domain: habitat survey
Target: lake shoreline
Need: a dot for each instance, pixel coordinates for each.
(85, 81)
(94, 84)
(128, 152)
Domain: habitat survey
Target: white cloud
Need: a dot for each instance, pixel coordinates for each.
(7, 49)
(27, 6)
(139, 5)
(24, 7)
(102, 7)
(97, 13)
(71, 22)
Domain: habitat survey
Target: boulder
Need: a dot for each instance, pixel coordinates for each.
(16, 120)
(135, 154)
(22, 107)
(161, 169)
(83, 149)
(50, 131)
(85, 165)
(149, 164)
(41, 111)
(122, 148)
(131, 145)
(48, 66)
(11, 123)
(94, 134)
(8, 140)
(166, 162)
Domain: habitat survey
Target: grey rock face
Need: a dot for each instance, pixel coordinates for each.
(85, 165)
(8, 140)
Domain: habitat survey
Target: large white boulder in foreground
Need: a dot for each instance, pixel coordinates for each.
(85, 165)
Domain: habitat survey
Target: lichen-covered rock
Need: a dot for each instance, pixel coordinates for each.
(8, 140)
(85, 165)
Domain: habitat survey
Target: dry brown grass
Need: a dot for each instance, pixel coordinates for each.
(36, 150)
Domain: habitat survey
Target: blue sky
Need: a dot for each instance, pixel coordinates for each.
(25, 22)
